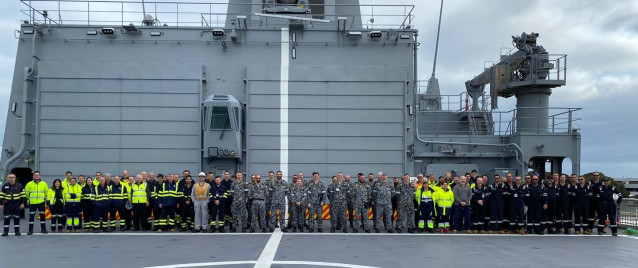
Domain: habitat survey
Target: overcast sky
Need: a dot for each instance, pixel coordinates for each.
(599, 37)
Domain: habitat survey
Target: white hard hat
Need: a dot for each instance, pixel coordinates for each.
(202, 174)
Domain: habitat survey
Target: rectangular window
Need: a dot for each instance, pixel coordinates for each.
(220, 119)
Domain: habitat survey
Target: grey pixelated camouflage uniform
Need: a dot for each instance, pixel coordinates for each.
(258, 194)
(297, 194)
(383, 193)
(269, 184)
(337, 192)
(405, 209)
(239, 192)
(278, 191)
(362, 192)
(316, 192)
(350, 202)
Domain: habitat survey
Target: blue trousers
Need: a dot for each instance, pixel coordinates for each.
(462, 211)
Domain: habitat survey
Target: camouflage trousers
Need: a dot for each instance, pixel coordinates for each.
(298, 215)
(258, 211)
(239, 213)
(384, 210)
(338, 211)
(318, 210)
(361, 216)
(406, 214)
(274, 206)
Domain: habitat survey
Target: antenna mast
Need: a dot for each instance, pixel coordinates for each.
(436, 50)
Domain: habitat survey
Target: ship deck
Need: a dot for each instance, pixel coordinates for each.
(134, 249)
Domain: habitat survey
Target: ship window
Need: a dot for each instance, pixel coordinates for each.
(220, 118)
(236, 117)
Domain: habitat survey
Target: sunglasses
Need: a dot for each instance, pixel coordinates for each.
(581, 179)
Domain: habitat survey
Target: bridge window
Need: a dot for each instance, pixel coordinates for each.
(220, 119)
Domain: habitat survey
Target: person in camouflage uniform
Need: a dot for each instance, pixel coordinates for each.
(290, 206)
(316, 192)
(406, 192)
(382, 194)
(297, 197)
(361, 192)
(337, 193)
(278, 191)
(269, 183)
(258, 193)
(238, 190)
(350, 200)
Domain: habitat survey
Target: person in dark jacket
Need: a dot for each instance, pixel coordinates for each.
(12, 201)
(188, 209)
(55, 201)
(88, 191)
(218, 194)
(168, 201)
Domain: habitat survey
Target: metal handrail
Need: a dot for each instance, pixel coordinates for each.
(628, 212)
(504, 122)
(177, 13)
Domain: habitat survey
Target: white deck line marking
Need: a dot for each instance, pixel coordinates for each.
(310, 263)
(628, 236)
(268, 255)
(322, 234)
(328, 264)
(203, 264)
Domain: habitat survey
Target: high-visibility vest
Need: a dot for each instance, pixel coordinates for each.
(201, 192)
(36, 192)
(72, 189)
(139, 193)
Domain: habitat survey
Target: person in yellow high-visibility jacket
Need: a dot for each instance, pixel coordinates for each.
(425, 199)
(36, 192)
(444, 199)
(72, 194)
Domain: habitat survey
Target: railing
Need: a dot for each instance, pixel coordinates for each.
(500, 123)
(195, 14)
(628, 212)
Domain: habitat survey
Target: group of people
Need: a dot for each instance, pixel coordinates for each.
(209, 203)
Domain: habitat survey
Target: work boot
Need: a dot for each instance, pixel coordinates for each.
(159, 230)
(332, 229)
(5, 234)
(399, 230)
(368, 231)
(263, 230)
(411, 230)
(447, 230)
(320, 230)
(221, 230)
(252, 230)
(614, 234)
(271, 230)
(420, 230)
(355, 230)
(30, 233)
(345, 230)
(205, 231)
(18, 233)
(212, 230)
(376, 230)
(284, 230)
(390, 231)
(243, 230)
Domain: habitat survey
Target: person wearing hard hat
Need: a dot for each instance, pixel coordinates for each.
(200, 198)
(609, 199)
